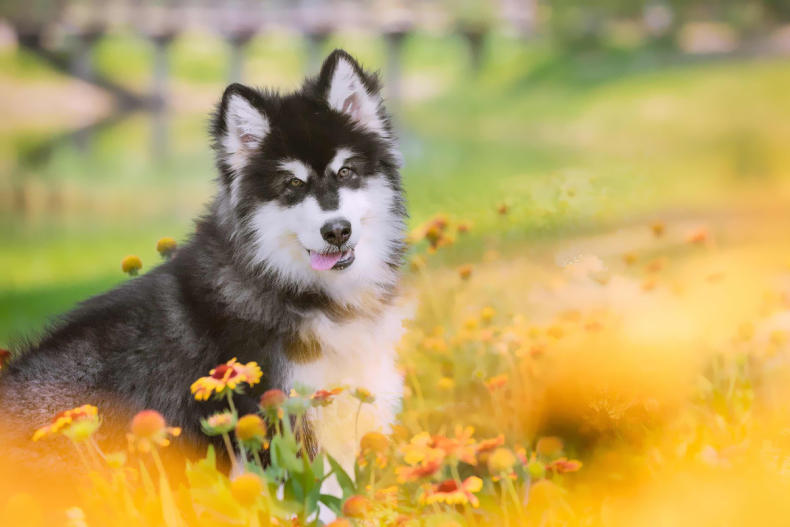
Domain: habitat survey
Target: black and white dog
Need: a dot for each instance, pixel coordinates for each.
(294, 265)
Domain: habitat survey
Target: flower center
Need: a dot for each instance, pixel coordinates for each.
(447, 486)
(221, 370)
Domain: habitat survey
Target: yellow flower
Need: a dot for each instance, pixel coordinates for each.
(149, 430)
(250, 428)
(501, 460)
(78, 424)
(131, 265)
(246, 488)
(446, 383)
(364, 395)
(166, 246)
(487, 314)
(224, 377)
(451, 493)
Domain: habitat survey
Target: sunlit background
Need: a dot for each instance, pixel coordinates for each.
(617, 164)
(578, 114)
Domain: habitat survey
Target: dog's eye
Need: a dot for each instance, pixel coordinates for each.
(295, 182)
(344, 173)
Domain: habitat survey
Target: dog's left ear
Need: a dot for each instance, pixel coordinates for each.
(350, 90)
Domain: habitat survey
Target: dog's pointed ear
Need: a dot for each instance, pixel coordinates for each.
(240, 125)
(350, 90)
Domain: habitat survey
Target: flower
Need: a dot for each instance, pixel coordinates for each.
(150, 430)
(563, 465)
(246, 488)
(427, 466)
(657, 228)
(496, 382)
(502, 208)
(77, 424)
(461, 447)
(373, 445)
(364, 395)
(228, 376)
(340, 522)
(451, 493)
(5, 356)
(487, 314)
(501, 460)
(446, 383)
(251, 431)
(219, 423)
(166, 247)
(549, 446)
(356, 506)
(465, 271)
(131, 265)
(273, 398)
(486, 445)
(324, 397)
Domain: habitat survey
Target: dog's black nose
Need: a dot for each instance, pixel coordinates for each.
(337, 232)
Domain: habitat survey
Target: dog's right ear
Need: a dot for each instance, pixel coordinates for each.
(240, 125)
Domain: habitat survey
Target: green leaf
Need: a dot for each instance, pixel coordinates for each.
(333, 502)
(343, 478)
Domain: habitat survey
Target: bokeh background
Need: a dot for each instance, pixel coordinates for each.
(599, 196)
(577, 116)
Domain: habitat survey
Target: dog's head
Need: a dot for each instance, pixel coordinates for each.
(310, 181)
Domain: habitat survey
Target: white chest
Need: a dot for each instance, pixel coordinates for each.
(358, 353)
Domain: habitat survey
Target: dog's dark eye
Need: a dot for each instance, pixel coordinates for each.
(295, 182)
(345, 173)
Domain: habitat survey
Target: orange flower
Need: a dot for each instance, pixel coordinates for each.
(657, 228)
(496, 382)
(77, 424)
(228, 376)
(487, 445)
(149, 430)
(421, 457)
(451, 493)
(461, 447)
(563, 465)
(324, 397)
(465, 271)
(356, 506)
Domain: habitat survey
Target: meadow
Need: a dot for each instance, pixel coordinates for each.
(600, 264)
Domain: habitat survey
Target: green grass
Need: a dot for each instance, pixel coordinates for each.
(570, 142)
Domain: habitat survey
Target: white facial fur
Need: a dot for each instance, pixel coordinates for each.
(284, 234)
(347, 94)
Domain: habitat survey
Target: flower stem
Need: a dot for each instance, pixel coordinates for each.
(230, 401)
(356, 425)
(229, 448)
(512, 491)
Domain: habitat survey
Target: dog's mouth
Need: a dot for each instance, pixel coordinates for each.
(336, 260)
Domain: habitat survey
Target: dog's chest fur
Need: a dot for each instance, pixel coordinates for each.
(358, 352)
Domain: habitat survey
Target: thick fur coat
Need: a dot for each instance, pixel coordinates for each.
(294, 265)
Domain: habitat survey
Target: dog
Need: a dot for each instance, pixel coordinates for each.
(294, 265)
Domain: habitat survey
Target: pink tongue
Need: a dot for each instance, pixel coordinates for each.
(322, 262)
